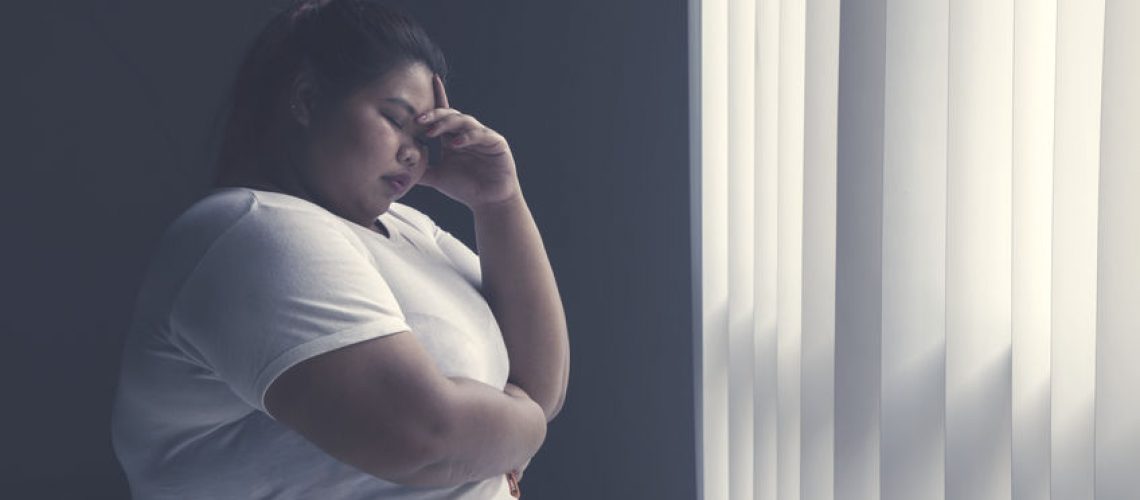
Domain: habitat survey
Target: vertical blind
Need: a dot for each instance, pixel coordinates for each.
(916, 235)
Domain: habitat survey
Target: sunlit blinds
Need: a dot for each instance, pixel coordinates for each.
(917, 233)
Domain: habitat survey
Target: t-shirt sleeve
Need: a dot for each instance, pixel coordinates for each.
(276, 289)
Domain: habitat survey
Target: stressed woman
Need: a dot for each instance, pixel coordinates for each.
(300, 333)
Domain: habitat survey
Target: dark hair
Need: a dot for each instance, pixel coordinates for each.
(340, 44)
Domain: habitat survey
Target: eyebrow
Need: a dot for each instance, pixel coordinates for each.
(407, 106)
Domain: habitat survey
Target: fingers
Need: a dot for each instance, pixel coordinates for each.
(440, 93)
(459, 129)
(430, 116)
(451, 122)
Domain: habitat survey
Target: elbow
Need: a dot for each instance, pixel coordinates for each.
(550, 398)
(410, 457)
(553, 409)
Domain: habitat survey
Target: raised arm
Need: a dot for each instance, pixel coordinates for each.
(478, 169)
(519, 286)
(382, 406)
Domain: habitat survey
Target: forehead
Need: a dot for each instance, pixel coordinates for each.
(410, 82)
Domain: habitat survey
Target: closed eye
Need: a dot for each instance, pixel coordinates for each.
(419, 140)
(393, 121)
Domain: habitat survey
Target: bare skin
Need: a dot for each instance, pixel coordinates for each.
(518, 282)
(349, 157)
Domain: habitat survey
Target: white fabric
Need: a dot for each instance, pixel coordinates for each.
(248, 283)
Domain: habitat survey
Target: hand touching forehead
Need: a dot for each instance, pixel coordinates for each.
(408, 88)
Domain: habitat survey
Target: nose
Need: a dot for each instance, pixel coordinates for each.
(409, 155)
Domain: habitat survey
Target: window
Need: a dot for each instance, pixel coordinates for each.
(917, 247)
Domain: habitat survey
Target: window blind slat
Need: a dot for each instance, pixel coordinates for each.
(767, 133)
(789, 275)
(1117, 422)
(859, 241)
(741, 250)
(1080, 25)
(1035, 25)
(714, 249)
(818, 389)
(914, 251)
(978, 238)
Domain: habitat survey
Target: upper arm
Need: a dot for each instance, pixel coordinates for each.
(286, 301)
(378, 405)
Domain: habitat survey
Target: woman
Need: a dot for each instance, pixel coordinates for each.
(300, 333)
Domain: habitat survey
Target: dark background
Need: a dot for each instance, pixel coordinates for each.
(109, 110)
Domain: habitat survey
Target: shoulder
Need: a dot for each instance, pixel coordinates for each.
(227, 206)
(258, 221)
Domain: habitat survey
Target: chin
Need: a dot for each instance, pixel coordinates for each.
(383, 207)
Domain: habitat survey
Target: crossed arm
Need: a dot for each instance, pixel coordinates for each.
(519, 285)
(444, 431)
(384, 407)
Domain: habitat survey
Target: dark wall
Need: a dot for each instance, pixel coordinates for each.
(110, 106)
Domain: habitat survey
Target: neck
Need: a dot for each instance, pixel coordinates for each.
(276, 170)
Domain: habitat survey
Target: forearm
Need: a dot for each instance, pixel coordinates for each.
(489, 433)
(519, 285)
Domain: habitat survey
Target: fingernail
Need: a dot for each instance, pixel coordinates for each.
(422, 118)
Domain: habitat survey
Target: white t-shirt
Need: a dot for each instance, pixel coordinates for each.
(248, 283)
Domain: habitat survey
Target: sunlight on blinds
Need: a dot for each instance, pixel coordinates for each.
(917, 238)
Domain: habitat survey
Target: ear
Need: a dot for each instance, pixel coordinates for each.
(303, 97)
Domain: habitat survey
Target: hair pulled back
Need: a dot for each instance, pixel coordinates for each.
(339, 44)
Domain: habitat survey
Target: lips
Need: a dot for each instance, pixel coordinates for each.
(399, 182)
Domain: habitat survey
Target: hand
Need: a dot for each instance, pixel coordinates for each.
(514, 391)
(476, 166)
(517, 392)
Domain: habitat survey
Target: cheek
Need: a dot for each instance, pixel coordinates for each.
(372, 142)
(358, 148)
